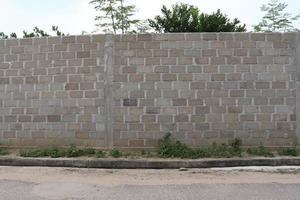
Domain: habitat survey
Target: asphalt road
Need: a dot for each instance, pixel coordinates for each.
(62, 183)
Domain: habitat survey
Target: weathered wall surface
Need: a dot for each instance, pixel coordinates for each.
(129, 91)
(205, 88)
(52, 91)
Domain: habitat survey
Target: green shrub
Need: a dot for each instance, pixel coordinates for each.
(289, 151)
(49, 152)
(168, 148)
(100, 154)
(73, 151)
(3, 152)
(88, 151)
(115, 153)
(54, 152)
(260, 151)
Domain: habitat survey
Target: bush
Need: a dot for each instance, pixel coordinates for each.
(168, 148)
(260, 151)
(100, 154)
(50, 152)
(54, 152)
(289, 151)
(3, 152)
(115, 153)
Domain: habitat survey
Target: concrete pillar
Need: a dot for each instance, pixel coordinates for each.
(108, 95)
(297, 63)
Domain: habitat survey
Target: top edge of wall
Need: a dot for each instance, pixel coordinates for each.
(153, 36)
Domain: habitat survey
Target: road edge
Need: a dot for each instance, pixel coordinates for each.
(147, 164)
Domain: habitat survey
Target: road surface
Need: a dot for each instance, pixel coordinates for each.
(35, 183)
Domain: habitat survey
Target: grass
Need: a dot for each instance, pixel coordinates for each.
(3, 152)
(260, 151)
(115, 153)
(168, 148)
(290, 151)
(54, 152)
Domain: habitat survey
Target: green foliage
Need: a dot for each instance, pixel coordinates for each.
(168, 148)
(36, 32)
(187, 18)
(218, 22)
(180, 18)
(260, 151)
(290, 151)
(276, 18)
(57, 31)
(13, 35)
(73, 151)
(3, 152)
(115, 153)
(4, 36)
(100, 154)
(52, 152)
(115, 16)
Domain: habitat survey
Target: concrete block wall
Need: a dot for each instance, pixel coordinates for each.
(129, 91)
(204, 88)
(52, 91)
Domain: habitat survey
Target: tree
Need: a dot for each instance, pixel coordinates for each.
(57, 31)
(115, 16)
(218, 22)
(180, 18)
(275, 18)
(37, 32)
(187, 18)
(4, 36)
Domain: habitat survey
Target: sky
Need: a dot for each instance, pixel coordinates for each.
(75, 16)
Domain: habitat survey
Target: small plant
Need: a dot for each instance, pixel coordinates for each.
(169, 148)
(260, 151)
(100, 154)
(50, 152)
(145, 153)
(88, 151)
(290, 151)
(3, 152)
(73, 151)
(54, 152)
(115, 153)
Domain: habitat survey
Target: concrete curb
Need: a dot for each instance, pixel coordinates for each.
(147, 164)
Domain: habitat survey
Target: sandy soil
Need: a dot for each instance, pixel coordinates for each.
(107, 178)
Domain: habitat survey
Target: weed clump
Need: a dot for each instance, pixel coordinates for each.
(260, 151)
(3, 152)
(115, 153)
(169, 148)
(54, 152)
(101, 154)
